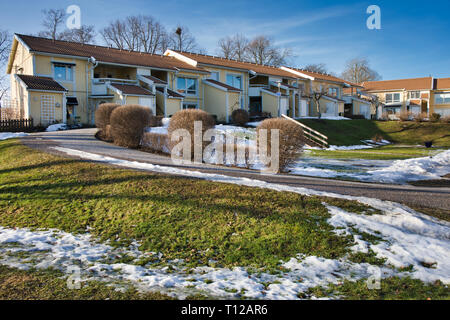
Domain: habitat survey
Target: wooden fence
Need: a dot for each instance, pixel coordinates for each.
(16, 125)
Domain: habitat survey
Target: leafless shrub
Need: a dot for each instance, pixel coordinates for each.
(405, 116)
(9, 114)
(377, 138)
(291, 140)
(435, 117)
(103, 118)
(420, 117)
(185, 120)
(128, 124)
(156, 142)
(240, 117)
(384, 117)
(445, 119)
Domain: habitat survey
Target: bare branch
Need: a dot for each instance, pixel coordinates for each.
(261, 50)
(53, 20)
(85, 35)
(183, 40)
(318, 68)
(358, 71)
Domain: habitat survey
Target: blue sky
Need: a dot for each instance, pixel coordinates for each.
(413, 41)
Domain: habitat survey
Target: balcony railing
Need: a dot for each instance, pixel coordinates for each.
(99, 85)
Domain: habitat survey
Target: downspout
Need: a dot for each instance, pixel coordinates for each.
(64, 108)
(88, 71)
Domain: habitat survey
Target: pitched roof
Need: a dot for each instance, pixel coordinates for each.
(324, 77)
(223, 85)
(130, 89)
(104, 54)
(155, 79)
(442, 83)
(40, 83)
(234, 64)
(407, 84)
(171, 93)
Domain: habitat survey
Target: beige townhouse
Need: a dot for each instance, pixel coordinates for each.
(58, 81)
(419, 95)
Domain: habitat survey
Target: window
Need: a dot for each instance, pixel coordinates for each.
(187, 86)
(63, 72)
(189, 106)
(333, 91)
(392, 97)
(414, 95)
(442, 98)
(215, 76)
(234, 81)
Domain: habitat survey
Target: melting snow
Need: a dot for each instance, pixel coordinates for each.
(11, 135)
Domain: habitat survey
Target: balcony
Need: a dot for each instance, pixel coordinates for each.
(100, 88)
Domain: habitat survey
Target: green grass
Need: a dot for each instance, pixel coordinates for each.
(381, 153)
(191, 219)
(393, 288)
(182, 218)
(52, 285)
(344, 133)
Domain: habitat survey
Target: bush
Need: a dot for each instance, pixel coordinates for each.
(103, 118)
(156, 142)
(405, 116)
(185, 120)
(445, 119)
(435, 117)
(291, 140)
(156, 121)
(240, 117)
(377, 138)
(128, 124)
(420, 117)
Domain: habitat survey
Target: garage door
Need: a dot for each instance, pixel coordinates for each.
(331, 109)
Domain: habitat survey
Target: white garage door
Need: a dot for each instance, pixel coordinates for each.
(364, 110)
(331, 109)
(148, 102)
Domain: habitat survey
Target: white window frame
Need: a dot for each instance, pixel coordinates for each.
(189, 104)
(66, 67)
(214, 75)
(414, 94)
(235, 75)
(185, 89)
(393, 97)
(444, 96)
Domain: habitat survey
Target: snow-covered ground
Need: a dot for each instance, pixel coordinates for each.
(11, 135)
(57, 127)
(408, 239)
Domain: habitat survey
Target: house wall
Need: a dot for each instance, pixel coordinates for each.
(172, 106)
(443, 109)
(216, 102)
(269, 104)
(197, 99)
(35, 106)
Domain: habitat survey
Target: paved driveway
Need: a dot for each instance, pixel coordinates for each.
(84, 140)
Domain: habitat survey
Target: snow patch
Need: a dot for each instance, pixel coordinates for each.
(57, 127)
(11, 135)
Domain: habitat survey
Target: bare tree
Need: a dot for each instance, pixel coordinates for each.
(316, 96)
(138, 33)
(85, 35)
(183, 40)
(151, 34)
(5, 44)
(235, 47)
(53, 20)
(357, 70)
(262, 50)
(318, 68)
(226, 48)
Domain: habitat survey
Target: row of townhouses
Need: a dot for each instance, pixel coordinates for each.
(58, 81)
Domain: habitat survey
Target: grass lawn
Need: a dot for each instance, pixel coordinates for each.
(182, 218)
(351, 132)
(52, 285)
(381, 153)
